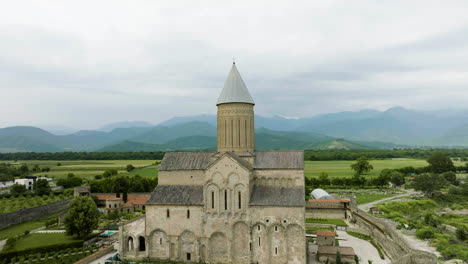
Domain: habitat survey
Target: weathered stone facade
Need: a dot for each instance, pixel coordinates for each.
(236, 205)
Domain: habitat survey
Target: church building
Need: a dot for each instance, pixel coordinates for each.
(235, 205)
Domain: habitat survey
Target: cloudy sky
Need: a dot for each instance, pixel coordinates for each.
(84, 64)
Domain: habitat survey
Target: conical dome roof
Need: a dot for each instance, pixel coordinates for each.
(234, 90)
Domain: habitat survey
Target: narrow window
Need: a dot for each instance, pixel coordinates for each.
(276, 250)
(189, 256)
(110, 206)
(212, 199)
(232, 133)
(225, 200)
(259, 241)
(225, 132)
(250, 246)
(245, 133)
(160, 241)
(238, 131)
(239, 200)
(168, 214)
(276, 228)
(188, 214)
(258, 227)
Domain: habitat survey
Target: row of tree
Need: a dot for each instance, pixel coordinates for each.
(461, 154)
(82, 156)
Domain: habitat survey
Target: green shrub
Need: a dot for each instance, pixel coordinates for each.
(425, 233)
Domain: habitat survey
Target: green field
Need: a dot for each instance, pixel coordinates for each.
(341, 168)
(40, 240)
(21, 202)
(87, 169)
(18, 229)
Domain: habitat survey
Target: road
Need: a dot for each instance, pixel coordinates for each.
(365, 207)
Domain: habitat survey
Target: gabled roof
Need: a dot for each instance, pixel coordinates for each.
(186, 161)
(279, 160)
(234, 156)
(177, 195)
(234, 90)
(277, 196)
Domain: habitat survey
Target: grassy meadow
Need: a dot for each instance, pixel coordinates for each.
(87, 169)
(341, 168)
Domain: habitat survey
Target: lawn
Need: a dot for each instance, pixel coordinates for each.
(40, 240)
(329, 221)
(18, 229)
(341, 168)
(149, 172)
(86, 169)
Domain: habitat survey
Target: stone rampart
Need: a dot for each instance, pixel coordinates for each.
(33, 213)
(394, 245)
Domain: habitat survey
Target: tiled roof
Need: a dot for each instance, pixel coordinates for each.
(279, 160)
(277, 196)
(177, 195)
(326, 233)
(132, 198)
(186, 161)
(328, 201)
(331, 250)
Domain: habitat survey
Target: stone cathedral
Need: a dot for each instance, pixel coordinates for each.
(235, 205)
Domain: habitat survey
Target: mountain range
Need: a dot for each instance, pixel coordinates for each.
(366, 129)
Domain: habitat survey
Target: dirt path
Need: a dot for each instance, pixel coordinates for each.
(365, 250)
(365, 207)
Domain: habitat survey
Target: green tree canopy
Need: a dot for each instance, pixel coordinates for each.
(17, 189)
(82, 217)
(440, 162)
(130, 167)
(429, 182)
(361, 166)
(42, 187)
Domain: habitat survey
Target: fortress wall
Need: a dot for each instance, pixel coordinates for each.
(392, 242)
(33, 213)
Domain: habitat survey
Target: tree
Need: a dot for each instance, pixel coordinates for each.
(323, 178)
(130, 167)
(70, 182)
(42, 187)
(397, 178)
(17, 189)
(429, 182)
(450, 176)
(24, 169)
(361, 166)
(338, 258)
(82, 217)
(440, 162)
(121, 185)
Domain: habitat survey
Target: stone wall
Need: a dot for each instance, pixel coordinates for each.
(33, 213)
(394, 245)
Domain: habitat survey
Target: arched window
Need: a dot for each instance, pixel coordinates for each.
(188, 214)
(225, 200)
(130, 243)
(239, 199)
(168, 214)
(141, 244)
(212, 200)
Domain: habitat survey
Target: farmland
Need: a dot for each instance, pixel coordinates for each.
(15, 203)
(341, 168)
(89, 168)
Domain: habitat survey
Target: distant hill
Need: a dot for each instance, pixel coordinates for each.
(394, 128)
(125, 124)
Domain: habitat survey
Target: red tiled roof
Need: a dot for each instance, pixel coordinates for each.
(132, 198)
(328, 201)
(326, 233)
